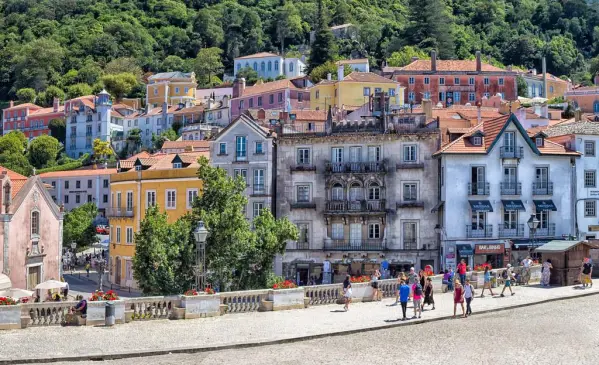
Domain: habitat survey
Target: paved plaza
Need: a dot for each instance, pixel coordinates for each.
(235, 329)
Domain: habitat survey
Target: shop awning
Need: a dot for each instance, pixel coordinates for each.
(480, 205)
(513, 205)
(545, 205)
(465, 250)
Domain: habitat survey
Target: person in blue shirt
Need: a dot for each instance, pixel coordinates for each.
(404, 296)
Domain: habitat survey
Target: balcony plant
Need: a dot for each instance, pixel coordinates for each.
(7, 301)
(191, 293)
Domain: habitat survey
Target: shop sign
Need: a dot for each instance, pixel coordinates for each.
(489, 249)
(593, 228)
(450, 256)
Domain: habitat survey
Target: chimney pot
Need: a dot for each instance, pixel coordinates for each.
(339, 72)
(433, 60)
(414, 58)
(329, 76)
(55, 104)
(478, 62)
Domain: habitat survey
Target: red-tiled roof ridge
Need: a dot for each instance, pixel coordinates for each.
(470, 130)
(12, 174)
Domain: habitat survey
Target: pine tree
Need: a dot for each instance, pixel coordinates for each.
(323, 48)
(430, 27)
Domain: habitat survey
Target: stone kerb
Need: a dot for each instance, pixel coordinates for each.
(283, 299)
(201, 306)
(10, 317)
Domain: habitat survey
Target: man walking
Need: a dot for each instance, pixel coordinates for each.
(586, 272)
(461, 269)
(404, 295)
(507, 276)
(526, 263)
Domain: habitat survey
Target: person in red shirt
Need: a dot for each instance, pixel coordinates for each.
(461, 269)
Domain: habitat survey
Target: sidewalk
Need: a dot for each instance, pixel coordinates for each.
(246, 328)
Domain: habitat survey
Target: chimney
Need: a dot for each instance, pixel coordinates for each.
(578, 115)
(56, 104)
(339, 72)
(329, 76)
(534, 72)
(479, 64)
(544, 70)
(478, 114)
(433, 60)
(238, 87)
(414, 58)
(11, 104)
(427, 107)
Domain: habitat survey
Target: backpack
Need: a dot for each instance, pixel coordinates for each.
(418, 290)
(504, 274)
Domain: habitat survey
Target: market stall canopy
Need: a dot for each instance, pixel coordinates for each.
(465, 250)
(5, 282)
(51, 284)
(481, 205)
(513, 205)
(545, 205)
(559, 246)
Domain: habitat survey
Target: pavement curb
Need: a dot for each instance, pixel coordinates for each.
(191, 350)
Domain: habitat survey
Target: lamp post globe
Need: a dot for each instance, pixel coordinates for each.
(533, 222)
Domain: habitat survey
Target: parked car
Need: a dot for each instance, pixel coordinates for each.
(101, 229)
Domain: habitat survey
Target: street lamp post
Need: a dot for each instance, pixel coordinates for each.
(533, 224)
(200, 234)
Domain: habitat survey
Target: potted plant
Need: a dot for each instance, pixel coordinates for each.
(96, 307)
(285, 295)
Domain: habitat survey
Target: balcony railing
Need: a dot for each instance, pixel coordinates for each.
(303, 167)
(410, 244)
(511, 152)
(478, 188)
(355, 167)
(406, 165)
(510, 188)
(298, 246)
(410, 204)
(349, 206)
(259, 189)
(355, 245)
(303, 205)
(479, 231)
(511, 230)
(120, 211)
(542, 188)
(548, 231)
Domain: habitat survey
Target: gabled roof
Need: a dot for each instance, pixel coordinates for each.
(13, 175)
(268, 87)
(189, 159)
(248, 120)
(186, 143)
(368, 77)
(493, 129)
(258, 55)
(24, 106)
(170, 75)
(24, 187)
(446, 65)
(559, 246)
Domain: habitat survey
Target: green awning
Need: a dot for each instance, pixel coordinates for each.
(513, 205)
(465, 250)
(545, 205)
(481, 205)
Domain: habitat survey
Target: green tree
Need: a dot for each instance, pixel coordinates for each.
(17, 162)
(58, 129)
(175, 63)
(77, 90)
(321, 72)
(430, 26)
(288, 23)
(176, 126)
(79, 226)
(134, 140)
(119, 85)
(14, 142)
(208, 64)
(164, 254)
(167, 135)
(124, 65)
(102, 150)
(323, 48)
(594, 66)
(249, 74)
(562, 55)
(404, 56)
(37, 62)
(341, 14)
(46, 98)
(26, 95)
(43, 151)
(522, 87)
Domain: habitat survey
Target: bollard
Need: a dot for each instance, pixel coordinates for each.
(110, 314)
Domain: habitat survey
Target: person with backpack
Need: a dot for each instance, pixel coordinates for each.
(507, 276)
(468, 295)
(417, 298)
(586, 272)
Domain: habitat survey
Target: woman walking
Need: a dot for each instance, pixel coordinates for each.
(428, 293)
(468, 295)
(375, 285)
(487, 284)
(347, 292)
(458, 298)
(546, 274)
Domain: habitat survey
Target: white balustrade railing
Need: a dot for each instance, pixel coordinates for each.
(243, 301)
(46, 313)
(146, 308)
(323, 294)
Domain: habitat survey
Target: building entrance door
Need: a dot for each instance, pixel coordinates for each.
(117, 271)
(34, 277)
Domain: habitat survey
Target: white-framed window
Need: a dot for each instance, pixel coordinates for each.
(410, 238)
(129, 235)
(177, 165)
(471, 97)
(374, 192)
(411, 96)
(259, 180)
(411, 80)
(150, 198)
(259, 148)
(35, 223)
(471, 81)
(118, 234)
(374, 153)
(258, 206)
(374, 231)
(138, 167)
(366, 91)
(129, 201)
(192, 194)
(456, 80)
(391, 92)
(477, 141)
(589, 148)
(409, 153)
(590, 208)
(539, 141)
(303, 193)
(590, 179)
(486, 81)
(410, 192)
(171, 199)
(337, 154)
(241, 147)
(441, 80)
(501, 81)
(337, 231)
(303, 156)
(222, 148)
(427, 80)
(241, 172)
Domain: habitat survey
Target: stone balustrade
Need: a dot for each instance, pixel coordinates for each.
(189, 307)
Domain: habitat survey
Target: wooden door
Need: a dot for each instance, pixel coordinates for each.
(117, 271)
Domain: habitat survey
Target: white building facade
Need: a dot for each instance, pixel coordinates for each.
(270, 65)
(493, 180)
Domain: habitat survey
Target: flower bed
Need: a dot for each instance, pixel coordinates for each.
(359, 279)
(482, 267)
(287, 284)
(191, 293)
(209, 291)
(7, 301)
(100, 295)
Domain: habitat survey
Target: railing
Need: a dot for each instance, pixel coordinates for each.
(511, 152)
(375, 205)
(479, 231)
(542, 188)
(514, 230)
(479, 188)
(410, 244)
(298, 246)
(47, 313)
(259, 189)
(356, 205)
(336, 205)
(303, 205)
(120, 212)
(147, 308)
(410, 165)
(410, 204)
(355, 245)
(243, 301)
(510, 188)
(303, 128)
(323, 294)
(548, 231)
(355, 167)
(303, 167)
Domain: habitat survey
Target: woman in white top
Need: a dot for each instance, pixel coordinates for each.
(375, 285)
(468, 295)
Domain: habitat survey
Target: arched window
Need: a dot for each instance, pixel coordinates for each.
(596, 106)
(374, 192)
(276, 65)
(337, 192)
(263, 66)
(255, 66)
(247, 65)
(269, 65)
(35, 223)
(355, 192)
(238, 66)
(290, 66)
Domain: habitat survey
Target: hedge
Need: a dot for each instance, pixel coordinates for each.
(67, 166)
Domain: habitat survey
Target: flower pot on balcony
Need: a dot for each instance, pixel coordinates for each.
(10, 317)
(201, 306)
(283, 299)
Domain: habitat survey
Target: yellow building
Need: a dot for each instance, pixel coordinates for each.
(167, 180)
(172, 88)
(354, 91)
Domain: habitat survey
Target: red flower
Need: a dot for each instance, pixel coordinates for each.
(7, 301)
(191, 293)
(209, 291)
(287, 284)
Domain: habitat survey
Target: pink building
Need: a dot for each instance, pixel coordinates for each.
(31, 119)
(281, 94)
(31, 232)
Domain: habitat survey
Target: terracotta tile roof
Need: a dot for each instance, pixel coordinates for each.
(368, 77)
(165, 162)
(583, 127)
(186, 143)
(17, 185)
(268, 87)
(310, 115)
(12, 175)
(193, 109)
(446, 65)
(78, 172)
(44, 111)
(17, 180)
(23, 106)
(142, 154)
(257, 55)
(458, 130)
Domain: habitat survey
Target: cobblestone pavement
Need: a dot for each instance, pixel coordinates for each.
(47, 342)
(562, 332)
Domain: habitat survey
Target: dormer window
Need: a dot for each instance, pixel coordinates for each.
(138, 168)
(539, 141)
(477, 141)
(177, 165)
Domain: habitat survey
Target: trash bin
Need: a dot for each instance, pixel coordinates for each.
(110, 314)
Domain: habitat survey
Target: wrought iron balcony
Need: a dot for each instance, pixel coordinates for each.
(299, 245)
(355, 167)
(117, 212)
(542, 188)
(355, 245)
(511, 230)
(511, 188)
(259, 189)
(355, 206)
(479, 231)
(303, 167)
(478, 188)
(406, 165)
(410, 204)
(410, 244)
(548, 231)
(303, 205)
(511, 152)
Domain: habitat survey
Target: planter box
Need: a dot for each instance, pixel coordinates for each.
(10, 317)
(96, 313)
(201, 306)
(265, 306)
(361, 292)
(284, 299)
(438, 286)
